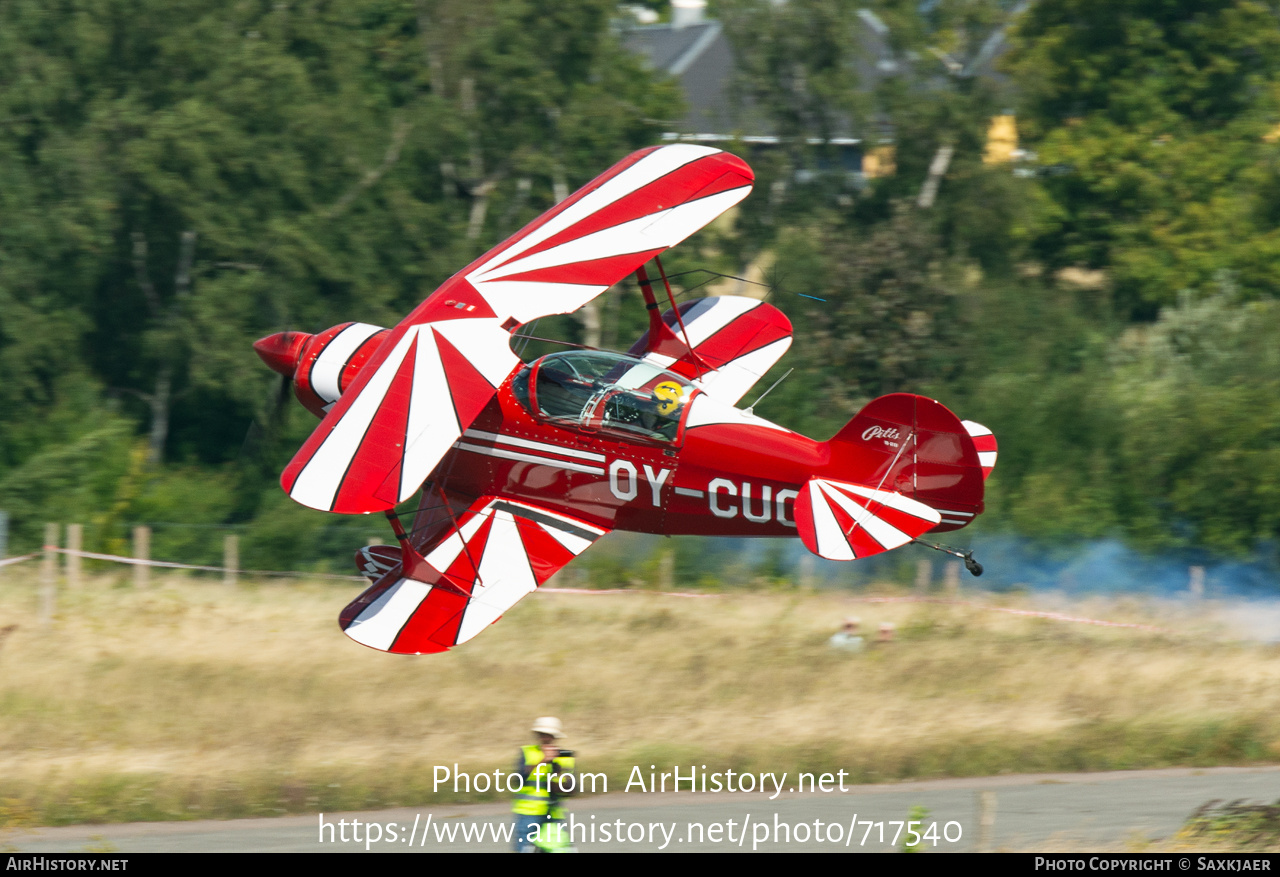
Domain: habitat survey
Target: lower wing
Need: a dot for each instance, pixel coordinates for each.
(465, 578)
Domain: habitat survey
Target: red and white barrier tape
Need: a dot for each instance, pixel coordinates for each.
(137, 561)
(8, 560)
(621, 591)
(1030, 613)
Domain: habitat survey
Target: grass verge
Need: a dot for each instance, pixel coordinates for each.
(194, 700)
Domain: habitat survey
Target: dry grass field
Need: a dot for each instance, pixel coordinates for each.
(193, 699)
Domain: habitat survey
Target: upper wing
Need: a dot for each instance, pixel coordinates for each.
(499, 551)
(740, 338)
(441, 365)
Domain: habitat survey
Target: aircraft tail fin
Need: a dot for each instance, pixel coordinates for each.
(916, 447)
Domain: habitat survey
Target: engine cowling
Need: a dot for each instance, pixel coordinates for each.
(323, 365)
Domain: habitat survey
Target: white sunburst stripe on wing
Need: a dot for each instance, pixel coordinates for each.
(661, 360)
(708, 409)
(526, 299)
(893, 500)
(573, 534)
(886, 534)
(326, 372)
(732, 380)
(445, 553)
(482, 342)
(381, 622)
(709, 315)
(505, 577)
(432, 423)
(876, 527)
(317, 483)
(652, 167)
(617, 240)
(670, 227)
(830, 536)
(571, 541)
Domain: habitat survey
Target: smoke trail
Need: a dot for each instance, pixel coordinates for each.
(1105, 566)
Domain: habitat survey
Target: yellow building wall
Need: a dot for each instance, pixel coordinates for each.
(1002, 140)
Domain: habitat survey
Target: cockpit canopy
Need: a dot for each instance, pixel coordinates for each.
(590, 390)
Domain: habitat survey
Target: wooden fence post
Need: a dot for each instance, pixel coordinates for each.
(924, 575)
(230, 559)
(807, 577)
(75, 542)
(4, 538)
(141, 551)
(952, 579)
(667, 570)
(986, 821)
(48, 573)
(1197, 582)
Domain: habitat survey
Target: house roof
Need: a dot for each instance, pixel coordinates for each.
(701, 57)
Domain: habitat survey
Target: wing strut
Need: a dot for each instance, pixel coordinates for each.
(693, 354)
(661, 339)
(415, 566)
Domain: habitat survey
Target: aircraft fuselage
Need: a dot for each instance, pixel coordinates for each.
(715, 478)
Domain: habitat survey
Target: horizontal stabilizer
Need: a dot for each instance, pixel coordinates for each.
(465, 579)
(841, 521)
(375, 561)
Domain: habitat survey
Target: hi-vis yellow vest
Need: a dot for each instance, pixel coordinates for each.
(535, 798)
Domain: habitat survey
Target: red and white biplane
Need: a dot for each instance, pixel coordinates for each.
(522, 465)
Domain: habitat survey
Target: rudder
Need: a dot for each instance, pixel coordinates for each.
(914, 446)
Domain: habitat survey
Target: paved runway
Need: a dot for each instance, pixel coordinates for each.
(1045, 812)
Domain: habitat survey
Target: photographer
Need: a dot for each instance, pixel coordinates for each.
(543, 765)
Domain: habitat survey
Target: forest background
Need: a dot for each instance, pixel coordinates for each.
(181, 177)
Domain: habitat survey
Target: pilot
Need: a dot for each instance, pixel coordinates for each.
(656, 413)
(543, 766)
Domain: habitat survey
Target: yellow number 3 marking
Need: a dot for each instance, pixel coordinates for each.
(668, 393)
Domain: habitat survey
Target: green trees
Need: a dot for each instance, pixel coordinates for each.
(1154, 120)
(179, 178)
(1142, 403)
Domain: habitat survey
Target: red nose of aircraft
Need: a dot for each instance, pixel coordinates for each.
(281, 350)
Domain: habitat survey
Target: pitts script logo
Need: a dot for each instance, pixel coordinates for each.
(872, 432)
